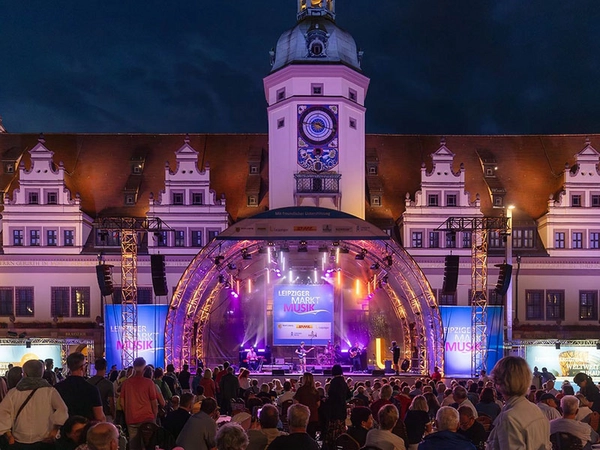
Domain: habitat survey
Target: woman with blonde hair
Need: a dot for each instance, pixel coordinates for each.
(521, 424)
(417, 421)
(210, 389)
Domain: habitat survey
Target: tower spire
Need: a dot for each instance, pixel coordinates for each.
(324, 8)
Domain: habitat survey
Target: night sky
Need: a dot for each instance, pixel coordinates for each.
(436, 67)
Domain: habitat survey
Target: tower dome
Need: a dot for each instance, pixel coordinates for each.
(316, 39)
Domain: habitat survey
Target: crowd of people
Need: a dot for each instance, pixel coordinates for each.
(144, 407)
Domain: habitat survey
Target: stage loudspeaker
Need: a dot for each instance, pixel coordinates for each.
(327, 372)
(104, 279)
(503, 278)
(159, 278)
(377, 372)
(450, 274)
(277, 372)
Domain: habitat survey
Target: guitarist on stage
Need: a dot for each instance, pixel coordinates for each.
(354, 354)
(301, 352)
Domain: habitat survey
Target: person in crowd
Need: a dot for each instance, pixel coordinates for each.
(231, 436)
(244, 380)
(184, 379)
(521, 425)
(199, 432)
(361, 394)
(265, 392)
(404, 400)
(335, 406)
(417, 390)
(584, 412)
(459, 394)
(549, 406)
(361, 420)
(384, 399)
(49, 374)
(487, 404)
(268, 420)
(82, 398)
(287, 393)
(547, 376)
(395, 357)
(568, 424)
(436, 375)
(162, 404)
(383, 437)
(432, 404)
(71, 433)
(229, 387)
(417, 421)
(470, 428)
(277, 386)
(483, 376)
(307, 395)
(298, 439)
(13, 376)
(550, 388)
(210, 389)
(176, 420)
(171, 379)
(196, 379)
(473, 393)
(589, 389)
(446, 436)
(106, 388)
(139, 399)
(103, 436)
(33, 411)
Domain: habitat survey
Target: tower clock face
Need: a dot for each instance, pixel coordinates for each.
(318, 137)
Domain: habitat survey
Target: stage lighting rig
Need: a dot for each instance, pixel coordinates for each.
(302, 247)
(361, 256)
(219, 259)
(375, 266)
(245, 254)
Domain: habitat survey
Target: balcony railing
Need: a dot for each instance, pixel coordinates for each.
(317, 183)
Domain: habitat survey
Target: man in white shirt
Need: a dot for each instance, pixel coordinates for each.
(34, 410)
(287, 393)
(383, 437)
(568, 424)
(459, 394)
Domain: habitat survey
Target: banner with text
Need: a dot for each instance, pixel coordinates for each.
(302, 313)
(458, 347)
(150, 343)
(19, 354)
(564, 362)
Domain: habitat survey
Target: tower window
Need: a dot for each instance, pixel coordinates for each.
(280, 123)
(34, 237)
(352, 95)
(317, 89)
(281, 94)
(432, 200)
(178, 198)
(17, 238)
(352, 123)
(197, 198)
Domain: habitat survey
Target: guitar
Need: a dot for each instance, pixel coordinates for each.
(354, 354)
(302, 354)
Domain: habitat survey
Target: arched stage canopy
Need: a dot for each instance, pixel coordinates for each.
(316, 245)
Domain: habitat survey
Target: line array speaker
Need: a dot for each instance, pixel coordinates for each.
(159, 278)
(450, 274)
(104, 276)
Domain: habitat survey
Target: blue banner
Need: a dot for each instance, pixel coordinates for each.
(302, 313)
(150, 343)
(458, 347)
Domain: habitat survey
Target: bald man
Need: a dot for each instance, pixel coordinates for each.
(103, 436)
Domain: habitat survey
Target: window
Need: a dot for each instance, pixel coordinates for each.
(34, 237)
(144, 296)
(451, 239)
(467, 239)
(161, 238)
(373, 170)
(179, 238)
(80, 302)
(447, 299)
(17, 238)
(559, 239)
(24, 301)
(588, 305)
(434, 239)
(9, 168)
(528, 238)
(197, 198)
(129, 199)
(522, 238)
(417, 239)
(498, 200)
(59, 301)
(352, 123)
(33, 198)
(281, 94)
(196, 238)
(594, 239)
(52, 198)
(178, 198)
(534, 306)
(451, 200)
(576, 200)
(212, 234)
(432, 200)
(595, 200)
(281, 123)
(69, 238)
(254, 169)
(376, 200)
(555, 305)
(495, 239)
(136, 168)
(7, 304)
(577, 239)
(252, 200)
(51, 238)
(317, 89)
(352, 95)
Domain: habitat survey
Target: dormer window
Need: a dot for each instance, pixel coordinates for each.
(33, 198)
(52, 198)
(9, 167)
(373, 170)
(178, 198)
(498, 200)
(576, 200)
(595, 201)
(197, 198)
(253, 169)
(129, 199)
(136, 168)
(433, 200)
(451, 200)
(252, 201)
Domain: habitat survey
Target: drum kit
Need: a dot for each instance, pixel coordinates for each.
(327, 356)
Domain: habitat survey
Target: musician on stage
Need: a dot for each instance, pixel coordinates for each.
(354, 354)
(301, 352)
(396, 356)
(252, 359)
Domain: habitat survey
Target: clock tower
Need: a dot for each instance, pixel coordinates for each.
(316, 93)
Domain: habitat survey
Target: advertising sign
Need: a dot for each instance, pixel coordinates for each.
(565, 362)
(302, 313)
(17, 355)
(150, 343)
(458, 347)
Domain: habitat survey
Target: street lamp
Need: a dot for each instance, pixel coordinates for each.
(509, 293)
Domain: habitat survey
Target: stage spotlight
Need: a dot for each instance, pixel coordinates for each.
(384, 280)
(15, 334)
(221, 278)
(389, 260)
(231, 266)
(219, 259)
(360, 256)
(344, 250)
(302, 247)
(23, 335)
(375, 266)
(557, 346)
(323, 249)
(246, 254)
